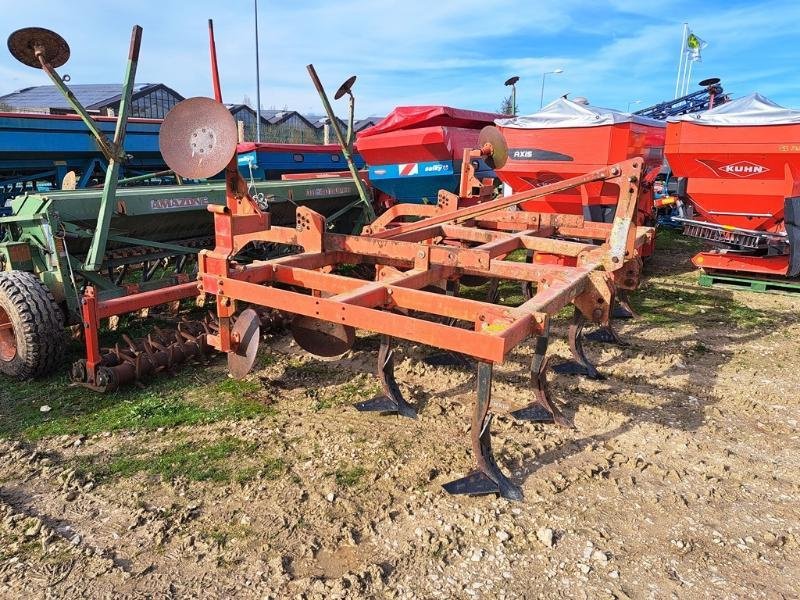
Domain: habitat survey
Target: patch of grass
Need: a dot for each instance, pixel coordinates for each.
(272, 469)
(672, 240)
(348, 476)
(520, 255)
(196, 462)
(236, 388)
(673, 306)
(196, 397)
(266, 359)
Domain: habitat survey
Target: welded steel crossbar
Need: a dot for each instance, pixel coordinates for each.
(574, 261)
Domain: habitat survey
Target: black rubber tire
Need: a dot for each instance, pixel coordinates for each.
(38, 326)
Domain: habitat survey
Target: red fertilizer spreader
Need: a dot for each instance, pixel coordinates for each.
(567, 138)
(738, 169)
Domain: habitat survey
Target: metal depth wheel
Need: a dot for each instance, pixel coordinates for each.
(31, 327)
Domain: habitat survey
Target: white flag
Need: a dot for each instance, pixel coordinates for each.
(693, 47)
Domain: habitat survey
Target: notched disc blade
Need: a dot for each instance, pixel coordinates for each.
(322, 338)
(345, 87)
(491, 135)
(22, 44)
(248, 329)
(198, 138)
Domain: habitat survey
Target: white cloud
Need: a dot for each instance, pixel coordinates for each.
(418, 51)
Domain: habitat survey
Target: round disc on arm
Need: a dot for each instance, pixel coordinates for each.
(345, 87)
(22, 45)
(248, 331)
(198, 138)
(322, 338)
(491, 135)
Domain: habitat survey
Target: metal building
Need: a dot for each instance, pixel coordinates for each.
(149, 100)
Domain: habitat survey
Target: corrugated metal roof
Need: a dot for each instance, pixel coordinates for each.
(91, 95)
(368, 122)
(319, 120)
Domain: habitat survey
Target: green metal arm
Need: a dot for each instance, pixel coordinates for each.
(94, 258)
(106, 147)
(346, 150)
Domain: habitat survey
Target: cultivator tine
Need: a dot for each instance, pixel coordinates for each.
(542, 409)
(606, 334)
(391, 401)
(487, 478)
(580, 364)
(622, 307)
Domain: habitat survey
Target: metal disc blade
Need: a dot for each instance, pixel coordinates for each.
(198, 138)
(322, 338)
(491, 135)
(22, 44)
(345, 87)
(70, 181)
(473, 280)
(248, 330)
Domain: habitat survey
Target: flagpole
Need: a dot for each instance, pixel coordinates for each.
(683, 74)
(258, 78)
(681, 57)
(688, 78)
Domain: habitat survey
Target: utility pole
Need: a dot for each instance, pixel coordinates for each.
(258, 82)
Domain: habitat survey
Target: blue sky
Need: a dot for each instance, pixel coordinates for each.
(423, 52)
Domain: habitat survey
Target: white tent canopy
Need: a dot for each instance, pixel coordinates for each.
(754, 109)
(563, 113)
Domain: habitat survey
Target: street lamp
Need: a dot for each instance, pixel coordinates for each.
(545, 74)
(512, 81)
(632, 102)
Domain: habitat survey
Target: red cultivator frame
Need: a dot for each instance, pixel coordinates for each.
(412, 259)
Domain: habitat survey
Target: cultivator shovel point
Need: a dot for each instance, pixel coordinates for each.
(463, 236)
(542, 409)
(580, 363)
(392, 400)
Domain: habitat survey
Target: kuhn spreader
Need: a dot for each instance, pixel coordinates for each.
(418, 251)
(738, 167)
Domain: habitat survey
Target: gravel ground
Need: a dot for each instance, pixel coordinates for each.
(680, 479)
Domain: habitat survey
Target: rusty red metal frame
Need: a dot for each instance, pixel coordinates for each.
(461, 236)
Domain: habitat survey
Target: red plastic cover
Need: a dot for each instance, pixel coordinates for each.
(412, 117)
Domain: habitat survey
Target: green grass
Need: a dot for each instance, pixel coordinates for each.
(218, 461)
(669, 305)
(197, 396)
(673, 241)
(348, 476)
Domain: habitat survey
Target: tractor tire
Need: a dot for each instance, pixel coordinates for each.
(32, 337)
